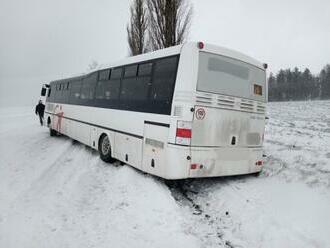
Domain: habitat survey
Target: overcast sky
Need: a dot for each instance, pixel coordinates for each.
(43, 40)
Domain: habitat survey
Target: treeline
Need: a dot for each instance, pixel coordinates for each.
(294, 85)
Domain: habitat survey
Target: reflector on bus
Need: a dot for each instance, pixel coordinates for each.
(183, 133)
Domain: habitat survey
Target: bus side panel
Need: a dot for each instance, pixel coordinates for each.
(94, 138)
(65, 126)
(81, 132)
(154, 149)
(128, 149)
(177, 162)
(160, 158)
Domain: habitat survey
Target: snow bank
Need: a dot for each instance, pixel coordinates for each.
(297, 141)
(54, 193)
(57, 193)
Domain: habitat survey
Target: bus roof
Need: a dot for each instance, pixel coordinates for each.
(173, 51)
(177, 49)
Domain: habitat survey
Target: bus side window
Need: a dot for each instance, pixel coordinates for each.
(61, 93)
(134, 89)
(65, 92)
(107, 89)
(100, 92)
(75, 92)
(116, 73)
(112, 88)
(145, 69)
(104, 75)
(88, 89)
(163, 82)
(130, 71)
(51, 92)
(128, 82)
(58, 95)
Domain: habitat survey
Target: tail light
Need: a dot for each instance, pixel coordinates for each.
(193, 166)
(183, 133)
(259, 163)
(196, 166)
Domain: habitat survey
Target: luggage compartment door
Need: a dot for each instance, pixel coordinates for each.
(154, 148)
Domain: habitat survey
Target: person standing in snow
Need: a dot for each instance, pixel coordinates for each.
(40, 109)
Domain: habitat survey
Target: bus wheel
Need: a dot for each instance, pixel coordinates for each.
(52, 132)
(105, 149)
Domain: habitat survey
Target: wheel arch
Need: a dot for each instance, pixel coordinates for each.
(111, 136)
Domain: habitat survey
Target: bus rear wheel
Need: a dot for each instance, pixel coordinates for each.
(105, 149)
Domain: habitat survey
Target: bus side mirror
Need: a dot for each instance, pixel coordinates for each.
(43, 91)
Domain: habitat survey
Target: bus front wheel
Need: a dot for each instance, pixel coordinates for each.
(105, 149)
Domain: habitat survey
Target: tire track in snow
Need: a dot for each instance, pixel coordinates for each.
(241, 192)
(47, 162)
(213, 225)
(48, 174)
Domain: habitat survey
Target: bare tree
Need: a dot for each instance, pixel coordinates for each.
(169, 22)
(137, 27)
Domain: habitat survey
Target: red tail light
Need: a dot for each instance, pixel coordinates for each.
(259, 163)
(200, 45)
(183, 133)
(193, 166)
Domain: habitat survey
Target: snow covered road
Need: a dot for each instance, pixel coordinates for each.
(58, 193)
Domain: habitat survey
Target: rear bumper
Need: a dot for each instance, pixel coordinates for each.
(213, 162)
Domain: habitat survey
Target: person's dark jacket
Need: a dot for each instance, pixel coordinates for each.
(40, 109)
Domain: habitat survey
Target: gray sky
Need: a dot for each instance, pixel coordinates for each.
(43, 40)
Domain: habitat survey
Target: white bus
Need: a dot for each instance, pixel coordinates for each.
(193, 110)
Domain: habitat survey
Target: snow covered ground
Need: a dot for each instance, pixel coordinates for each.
(58, 193)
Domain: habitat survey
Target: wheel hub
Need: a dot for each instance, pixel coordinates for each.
(105, 147)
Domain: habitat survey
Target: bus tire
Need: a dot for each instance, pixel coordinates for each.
(52, 132)
(105, 149)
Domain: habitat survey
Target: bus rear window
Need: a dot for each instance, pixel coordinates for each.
(222, 75)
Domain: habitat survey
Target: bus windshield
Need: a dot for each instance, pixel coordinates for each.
(222, 75)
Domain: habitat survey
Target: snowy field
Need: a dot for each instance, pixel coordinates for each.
(58, 193)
